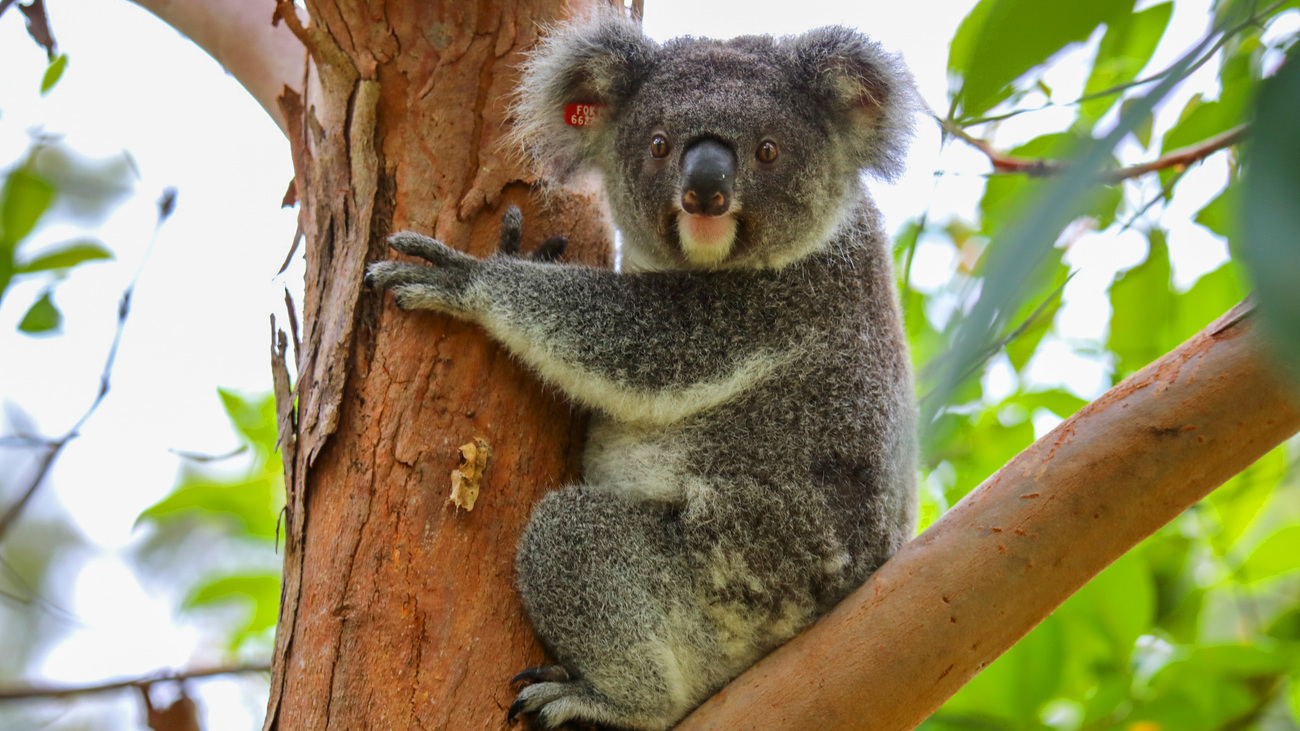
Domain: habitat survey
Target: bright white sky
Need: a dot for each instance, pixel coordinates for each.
(200, 314)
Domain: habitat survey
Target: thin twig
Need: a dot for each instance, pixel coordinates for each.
(996, 347)
(1165, 190)
(34, 597)
(1181, 158)
(205, 458)
(63, 691)
(1041, 167)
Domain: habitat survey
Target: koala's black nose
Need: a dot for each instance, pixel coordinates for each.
(708, 177)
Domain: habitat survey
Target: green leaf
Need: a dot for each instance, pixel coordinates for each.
(1141, 302)
(1212, 295)
(251, 506)
(1220, 214)
(977, 446)
(1000, 40)
(1061, 403)
(1270, 216)
(1013, 688)
(69, 256)
(1293, 698)
(1118, 604)
(253, 585)
(254, 418)
(260, 592)
(1148, 319)
(6, 269)
(53, 73)
(23, 200)
(1211, 686)
(1144, 129)
(1124, 52)
(42, 317)
(1019, 254)
(1276, 555)
(1239, 500)
(1286, 626)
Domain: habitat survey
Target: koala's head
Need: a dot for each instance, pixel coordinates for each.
(744, 152)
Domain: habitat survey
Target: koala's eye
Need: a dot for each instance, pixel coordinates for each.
(659, 146)
(767, 151)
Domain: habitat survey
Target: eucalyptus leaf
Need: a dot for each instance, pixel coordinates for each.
(65, 257)
(1124, 52)
(53, 73)
(1270, 208)
(1238, 501)
(1277, 554)
(1016, 263)
(259, 592)
(23, 200)
(42, 317)
(995, 46)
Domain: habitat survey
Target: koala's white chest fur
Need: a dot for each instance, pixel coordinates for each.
(643, 463)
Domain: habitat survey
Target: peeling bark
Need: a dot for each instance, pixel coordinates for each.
(398, 611)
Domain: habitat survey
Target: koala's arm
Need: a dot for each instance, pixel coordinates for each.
(655, 346)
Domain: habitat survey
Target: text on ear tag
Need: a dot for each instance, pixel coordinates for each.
(582, 115)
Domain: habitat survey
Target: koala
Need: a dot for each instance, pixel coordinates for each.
(752, 444)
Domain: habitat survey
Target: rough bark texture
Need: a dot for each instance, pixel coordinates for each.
(1008, 554)
(398, 611)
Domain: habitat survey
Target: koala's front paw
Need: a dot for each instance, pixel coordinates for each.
(512, 234)
(444, 286)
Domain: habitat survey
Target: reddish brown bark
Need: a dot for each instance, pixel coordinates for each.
(1008, 554)
(399, 611)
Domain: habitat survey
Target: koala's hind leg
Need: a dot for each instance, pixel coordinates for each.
(606, 585)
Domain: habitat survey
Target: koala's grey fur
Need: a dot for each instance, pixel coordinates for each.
(751, 454)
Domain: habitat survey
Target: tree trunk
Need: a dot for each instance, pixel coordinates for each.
(398, 608)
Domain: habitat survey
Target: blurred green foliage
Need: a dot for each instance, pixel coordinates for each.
(235, 507)
(50, 175)
(1198, 628)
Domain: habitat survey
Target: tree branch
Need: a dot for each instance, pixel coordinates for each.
(64, 691)
(1042, 167)
(1002, 559)
(264, 58)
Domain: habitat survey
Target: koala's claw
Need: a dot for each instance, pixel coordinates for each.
(534, 699)
(512, 231)
(512, 235)
(386, 274)
(540, 674)
(551, 249)
(431, 250)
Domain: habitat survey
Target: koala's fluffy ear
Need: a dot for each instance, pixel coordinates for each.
(601, 61)
(867, 91)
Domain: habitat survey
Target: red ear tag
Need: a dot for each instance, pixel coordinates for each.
(582, 115)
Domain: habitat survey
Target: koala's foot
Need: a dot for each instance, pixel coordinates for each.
(512, 233)
(553, 703)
